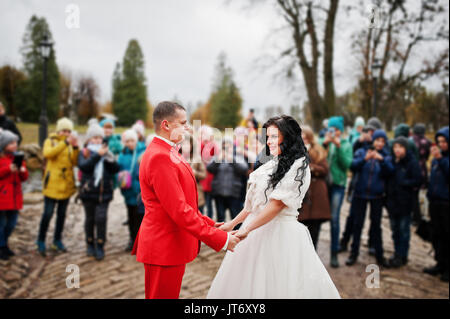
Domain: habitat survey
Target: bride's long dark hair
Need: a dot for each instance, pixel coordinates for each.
(292, 148)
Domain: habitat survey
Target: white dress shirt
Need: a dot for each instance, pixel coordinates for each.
(173, 145)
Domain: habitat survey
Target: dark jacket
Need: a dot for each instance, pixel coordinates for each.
(423, 145)
(227, 180)
(438, 186)
(403, 130)
(8, 124)
(400, 185)
(104, 190)
(372, 175)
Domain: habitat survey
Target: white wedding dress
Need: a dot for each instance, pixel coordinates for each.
(278, 259)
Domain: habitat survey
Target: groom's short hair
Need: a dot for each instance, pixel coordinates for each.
(165, 111)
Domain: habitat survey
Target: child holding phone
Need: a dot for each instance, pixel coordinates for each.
(11, 200)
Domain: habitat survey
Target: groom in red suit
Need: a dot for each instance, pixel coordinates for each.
(172, 228)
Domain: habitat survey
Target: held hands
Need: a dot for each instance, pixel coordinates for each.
(233, 241)
(242, 233)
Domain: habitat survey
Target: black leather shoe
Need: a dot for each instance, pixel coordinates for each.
(433, 271)
(395, 262)
(351, 260)
(382, 262)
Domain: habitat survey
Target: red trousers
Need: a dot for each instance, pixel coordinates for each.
(163, 282)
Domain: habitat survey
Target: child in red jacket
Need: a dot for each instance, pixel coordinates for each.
(11, 200)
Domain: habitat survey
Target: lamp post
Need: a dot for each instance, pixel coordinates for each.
(376, 68)
(45, 47)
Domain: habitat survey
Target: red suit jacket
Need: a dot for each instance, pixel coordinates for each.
(172, 227)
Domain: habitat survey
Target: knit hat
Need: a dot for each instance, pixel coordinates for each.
(64, 124)
(7, 137)
(379, 133)
(336, 122)
(139, 128)
(401, 130)
(403, 141)
(419, 129)
(359, 121)
(375, 122)
(129, 134)
(107, 121)
(93, 131)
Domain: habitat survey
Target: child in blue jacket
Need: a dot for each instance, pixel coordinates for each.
(438, 196)
(373, 166)
(128, 163)
(400, 191)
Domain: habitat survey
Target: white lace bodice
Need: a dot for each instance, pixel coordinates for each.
(286, 190)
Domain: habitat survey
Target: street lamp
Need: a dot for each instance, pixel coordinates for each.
(376, 69)
(45, 47)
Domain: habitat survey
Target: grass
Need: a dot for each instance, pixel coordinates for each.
(30, 131)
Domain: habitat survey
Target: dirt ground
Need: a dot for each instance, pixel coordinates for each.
(28, 275)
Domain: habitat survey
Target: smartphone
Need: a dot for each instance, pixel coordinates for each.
(18, 159)
(105, 141)
(372, 148)
(332, 131)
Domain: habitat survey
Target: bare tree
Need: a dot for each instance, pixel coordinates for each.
(311, 25)
(404, 28)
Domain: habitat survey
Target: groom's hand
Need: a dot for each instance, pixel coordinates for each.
(232, 242)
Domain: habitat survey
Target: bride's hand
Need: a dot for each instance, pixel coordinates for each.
(217, 225)
(242, 233)
(226, 227)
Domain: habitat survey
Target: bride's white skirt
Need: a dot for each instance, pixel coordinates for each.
(277, 260)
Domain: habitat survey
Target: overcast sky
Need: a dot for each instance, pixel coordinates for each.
(180, 40)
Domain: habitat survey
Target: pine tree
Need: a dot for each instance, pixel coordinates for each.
(129, 98)
(30, 95)
(226, 100)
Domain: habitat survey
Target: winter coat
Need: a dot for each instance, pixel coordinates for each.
(339, 161)
(125, 162)
(316, 204)
(11, 197)
(104, 190)
(61, 158)
(227, 180)
(206, 157)
(438, 186)
(372, 174)
(401, 184)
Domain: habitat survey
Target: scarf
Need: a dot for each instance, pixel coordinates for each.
(99, 167)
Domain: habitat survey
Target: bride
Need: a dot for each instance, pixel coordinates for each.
(277, 258)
